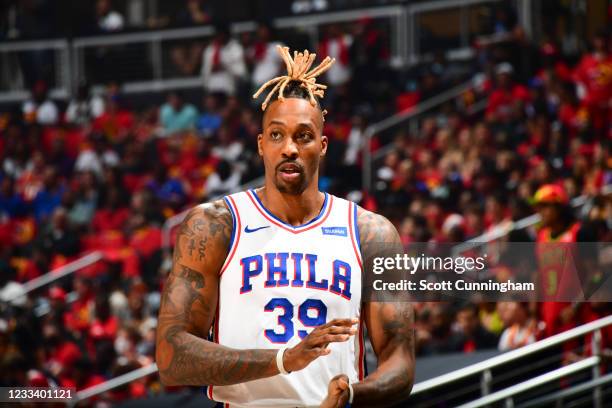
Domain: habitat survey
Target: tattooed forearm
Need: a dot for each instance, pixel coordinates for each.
(187, 359)
(390, 325)
(188, 306)
(392, 334)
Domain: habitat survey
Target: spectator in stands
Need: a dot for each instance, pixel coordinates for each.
(187, 55)
(61, 351)
(594, 77)
(195, 12)
(49, 197)
(59, 156)
(40, 108)
(210, 119)
(58, 237)
(104, 325)
(368, 53)
(10, 289)
(170, 191)
(97, 155)
(109, 20)
(473, 335)
(176, 115)
(31, 180)
(15, 150)
(117, 120)
(559, 232)
(520, 327)
(506, 102)
(13, 369)
(436, 335)
(144, 211)
(336, 44)
(223, 64)
(113, 212)
(84, 200)
(11, 203)
(263, 57)
(84, 107)
(226, 178)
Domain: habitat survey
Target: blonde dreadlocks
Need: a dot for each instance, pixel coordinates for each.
(297, 70)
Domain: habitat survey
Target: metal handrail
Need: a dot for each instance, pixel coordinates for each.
(33, 45)
(339, 16)
(557, 374)
(445, 4)
(402, 24)
(561, 395)
(58, 273)
(115, 382)
(505, 358)
(418, 388)
(501, 230)
(398, 118)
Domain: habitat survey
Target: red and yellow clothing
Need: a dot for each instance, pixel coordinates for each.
(557, 275)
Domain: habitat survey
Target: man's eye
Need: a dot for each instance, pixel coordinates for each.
(305, 136)
(275, 135)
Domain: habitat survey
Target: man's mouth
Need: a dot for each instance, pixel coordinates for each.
(289, 171)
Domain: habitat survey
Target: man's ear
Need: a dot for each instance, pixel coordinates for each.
(324, 142)
(259, 141)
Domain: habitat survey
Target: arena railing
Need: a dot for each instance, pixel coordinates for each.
(405, 24)
(483, 368)
(507, 394)
(417, 14)
(501, 230)
(14, 55)
(57, 273)
(410, 116)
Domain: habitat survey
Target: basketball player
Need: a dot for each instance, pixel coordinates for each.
(277, 273)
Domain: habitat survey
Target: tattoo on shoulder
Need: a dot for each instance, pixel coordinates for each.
(203, 225)
(376, 233)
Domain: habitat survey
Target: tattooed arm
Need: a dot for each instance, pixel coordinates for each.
(188, 307)
(390, 324)
(189, 303)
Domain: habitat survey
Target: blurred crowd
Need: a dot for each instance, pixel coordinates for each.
(100, 176)
(542, 138)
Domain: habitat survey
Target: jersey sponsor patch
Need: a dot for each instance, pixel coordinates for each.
(339, 231)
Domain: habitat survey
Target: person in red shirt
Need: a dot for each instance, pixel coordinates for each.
(594, 76)
(506, 101)
(560, 265)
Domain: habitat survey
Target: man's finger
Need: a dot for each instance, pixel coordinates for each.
(339, 322)
(332, 330)
(328, 338)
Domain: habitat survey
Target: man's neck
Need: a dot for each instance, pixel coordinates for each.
(293, 209)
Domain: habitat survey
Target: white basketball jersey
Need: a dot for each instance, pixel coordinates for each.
(277, 283)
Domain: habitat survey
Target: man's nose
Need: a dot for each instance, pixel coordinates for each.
(290, 148)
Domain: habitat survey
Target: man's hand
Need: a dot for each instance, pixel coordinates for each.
(337, 392)
(315, 344)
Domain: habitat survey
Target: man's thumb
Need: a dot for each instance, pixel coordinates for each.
(338, 384)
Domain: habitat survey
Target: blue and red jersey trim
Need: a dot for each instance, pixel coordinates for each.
(236, 230)
(318, 220)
